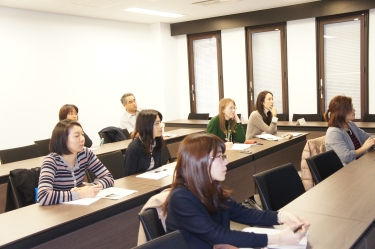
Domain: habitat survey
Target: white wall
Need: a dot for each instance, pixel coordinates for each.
(301, 54)
(48, 60)
(234, 68)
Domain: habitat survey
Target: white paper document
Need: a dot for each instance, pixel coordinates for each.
(268, 137)
(238, 147)
(301, 245)
(158, 173)
(109, 193)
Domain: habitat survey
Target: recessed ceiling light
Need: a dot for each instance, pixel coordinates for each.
(153, 12)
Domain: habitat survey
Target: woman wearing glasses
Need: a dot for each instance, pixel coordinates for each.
(227, 125)
(264, 118)
(144, 152)
(200, 206)
(71, 112)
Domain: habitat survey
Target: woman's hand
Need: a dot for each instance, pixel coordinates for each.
(273, 111)
(287, 236)
(368, 143)
(291, 219)
(88, 191)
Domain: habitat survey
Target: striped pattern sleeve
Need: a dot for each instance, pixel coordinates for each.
(104, 177)
(48, 193)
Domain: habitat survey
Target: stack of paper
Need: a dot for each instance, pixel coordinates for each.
(158, 173)
(109, 193)
(238, 147)
(268, 137)
(301, 245)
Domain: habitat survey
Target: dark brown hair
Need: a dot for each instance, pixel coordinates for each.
(222, 105)
(194, 162)
(338, 109)
(259, 106)
(59, 138)
(144, 127)
(65, 110)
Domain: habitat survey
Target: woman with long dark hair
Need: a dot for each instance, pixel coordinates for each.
(264, 118)
(144, 152)
(200, 206)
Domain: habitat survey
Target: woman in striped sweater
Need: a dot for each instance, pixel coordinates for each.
(63, 170)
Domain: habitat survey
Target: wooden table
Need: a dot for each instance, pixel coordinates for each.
(187, 123)
(172, 142)
(348, 196)
(114, 224)
(103, 224)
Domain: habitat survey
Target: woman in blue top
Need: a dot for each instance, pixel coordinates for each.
(200, 206)
(343, 136)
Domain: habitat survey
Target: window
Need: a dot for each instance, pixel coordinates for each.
(266, 65)
(205, 72)
(342, 55)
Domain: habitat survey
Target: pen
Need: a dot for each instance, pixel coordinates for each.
(298, 228)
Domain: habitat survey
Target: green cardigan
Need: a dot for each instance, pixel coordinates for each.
(214, 128)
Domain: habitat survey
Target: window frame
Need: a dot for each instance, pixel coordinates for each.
(251, 99)
(364, 88)
(190, 39)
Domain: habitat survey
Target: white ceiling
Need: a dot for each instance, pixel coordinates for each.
(113, 9)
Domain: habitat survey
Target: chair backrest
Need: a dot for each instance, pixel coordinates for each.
(368, 117)
(323, 165)
(308, 117)
(313, 147)
(20, 153)
(114, 162)
(112, 134)
(282, 117)
(43, 146)
(198, 116)
(21, 188)
(126, 133)
(103, 135)
(151, 224)
(278, 186)
(239, 115)
(166, 155)
(170, 240)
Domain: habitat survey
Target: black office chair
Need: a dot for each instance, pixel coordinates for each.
(21, 188)
(112, 134)
(170, 240)
(113, 161)
(323, 165)
(20, 153)
(43, 146)
(166, 155)
(368, 117)
(282, 117)
(126, 133)
(198, 116)
(278, 186)
(151, 224)
(308, 117)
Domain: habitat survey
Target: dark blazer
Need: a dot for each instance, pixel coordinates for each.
(136, 161)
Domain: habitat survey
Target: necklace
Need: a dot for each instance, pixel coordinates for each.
(350, 132)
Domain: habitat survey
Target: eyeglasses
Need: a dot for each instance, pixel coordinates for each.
(223, 157)
(232, 108)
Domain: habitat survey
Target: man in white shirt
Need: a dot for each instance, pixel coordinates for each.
(131, 112)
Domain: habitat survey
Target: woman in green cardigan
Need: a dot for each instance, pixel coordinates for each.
(227, 125)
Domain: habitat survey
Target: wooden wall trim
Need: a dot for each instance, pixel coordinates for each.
(270, 16)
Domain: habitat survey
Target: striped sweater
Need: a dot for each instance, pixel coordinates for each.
(56, 179)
